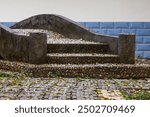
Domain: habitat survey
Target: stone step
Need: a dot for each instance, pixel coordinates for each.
(58, 58)
(78, 48)
(79, 71)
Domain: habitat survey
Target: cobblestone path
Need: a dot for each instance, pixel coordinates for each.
(68, 88)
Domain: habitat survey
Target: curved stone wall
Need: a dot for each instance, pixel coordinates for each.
(66, 27)
(15, 47)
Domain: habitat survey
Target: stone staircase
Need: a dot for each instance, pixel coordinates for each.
(80, 53)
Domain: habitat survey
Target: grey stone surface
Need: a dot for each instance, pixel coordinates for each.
(15, 47)
(37, 48)
(82, 70)
(126, 49)
(18, 87)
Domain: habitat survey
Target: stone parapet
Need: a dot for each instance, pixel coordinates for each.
(15, 47)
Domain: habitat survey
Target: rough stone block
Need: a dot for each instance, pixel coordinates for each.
(37, 48)
(126, 48)
(121, 25)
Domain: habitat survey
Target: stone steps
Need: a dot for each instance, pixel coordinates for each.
(93, 71)
(78, 48)
(74, 58)
(82, 70)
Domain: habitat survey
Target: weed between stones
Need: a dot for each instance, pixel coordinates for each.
(136, 95)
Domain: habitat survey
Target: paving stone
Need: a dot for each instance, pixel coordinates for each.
(69, 88)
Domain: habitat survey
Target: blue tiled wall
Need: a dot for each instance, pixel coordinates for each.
(8, 24)
(140, 29)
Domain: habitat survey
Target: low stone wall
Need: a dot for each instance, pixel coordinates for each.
(79, 71)
(14, 47)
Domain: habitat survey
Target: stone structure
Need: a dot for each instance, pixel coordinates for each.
(80, 71)
(126, 48)
(71, 29)
(15, 47)
(97, 56)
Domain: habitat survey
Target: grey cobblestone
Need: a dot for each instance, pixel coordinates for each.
(68, 88)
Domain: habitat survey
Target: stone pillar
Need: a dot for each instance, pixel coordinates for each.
(37, 48)
(126, 48)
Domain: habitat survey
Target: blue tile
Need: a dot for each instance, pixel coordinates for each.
(147, 25)
(8, 24)
(139, 54)
(100, 31)
(128, 31)
(121, 25)
(113, 32)
(136, 25)
(82, 24)
(147, 55)
(139, 39)
(143, 32)
(92, 24)
(143, 47)
(106, 25)
(146, 39)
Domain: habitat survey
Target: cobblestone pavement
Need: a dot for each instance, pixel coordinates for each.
(21, 88)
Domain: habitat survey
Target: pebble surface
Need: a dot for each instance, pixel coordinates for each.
(26, 88)
(52, 37)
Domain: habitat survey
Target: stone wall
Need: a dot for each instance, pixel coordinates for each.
(15, 47)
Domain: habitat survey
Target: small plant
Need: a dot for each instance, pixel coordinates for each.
(140, 95)
(80, 79)
(4, 75)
